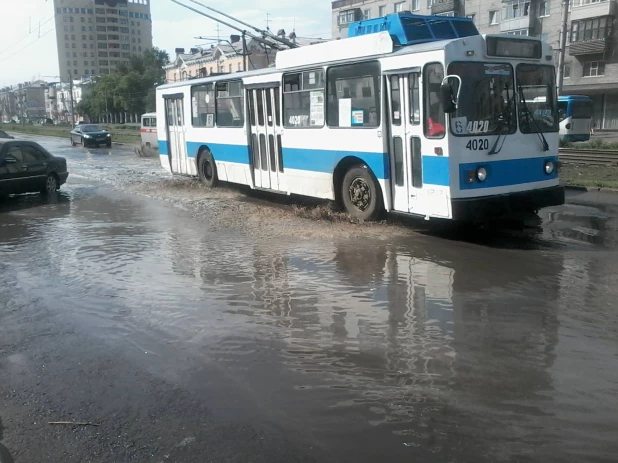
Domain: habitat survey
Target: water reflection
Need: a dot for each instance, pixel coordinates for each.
(423, 347)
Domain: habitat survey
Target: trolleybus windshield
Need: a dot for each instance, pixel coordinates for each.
(537, 87)
(486, 101)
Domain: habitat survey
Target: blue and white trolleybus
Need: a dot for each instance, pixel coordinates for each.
(411, 114)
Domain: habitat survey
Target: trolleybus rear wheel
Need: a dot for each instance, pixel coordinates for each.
(208, 169)
(361, 194)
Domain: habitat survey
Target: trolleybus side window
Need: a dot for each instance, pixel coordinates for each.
(229, 104)
(435, 118)
(354, 95)
(395, 101)
(303, 99)
(415, 98)
(203, 105)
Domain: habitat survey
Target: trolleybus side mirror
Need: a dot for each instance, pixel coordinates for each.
(449, 98)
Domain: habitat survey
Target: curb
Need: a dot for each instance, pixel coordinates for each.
(590, 189)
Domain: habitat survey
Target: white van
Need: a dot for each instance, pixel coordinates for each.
(148, 132)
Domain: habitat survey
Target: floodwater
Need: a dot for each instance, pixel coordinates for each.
(402, 345)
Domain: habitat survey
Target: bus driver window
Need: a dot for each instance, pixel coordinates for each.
(435, 119)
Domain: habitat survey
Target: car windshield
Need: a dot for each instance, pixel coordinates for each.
(91, 128)
(486, 100)
(538, 111)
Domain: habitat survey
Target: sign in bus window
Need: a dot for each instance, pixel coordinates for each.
(303, 99)
(354, 95)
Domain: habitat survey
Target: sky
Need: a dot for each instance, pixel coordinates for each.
(28, 51)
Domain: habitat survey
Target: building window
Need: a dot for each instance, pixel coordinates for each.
(303, 99)
(470, 16)
(590, 29)
(567, 71)
(435, 120)
(416, 5)
(353, 95)
(594, 68)
(519, 32)
(544, 37)
(367, 14)
(516, 9)
(346, 17)
(230, 104)
(382, 11)
(493, 17)
(544, 9)
(400, 6)
(71, 19)
(429, 3)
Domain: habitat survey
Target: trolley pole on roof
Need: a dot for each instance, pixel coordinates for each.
(276, 46)
(563, 33)
(265, 33)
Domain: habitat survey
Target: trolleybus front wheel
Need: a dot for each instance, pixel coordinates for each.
(361, 194)
(207, 169)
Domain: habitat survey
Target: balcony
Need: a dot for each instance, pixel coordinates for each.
(445, 6)
(590, 36)
(524, 22)
(581, 10)
(588, 47)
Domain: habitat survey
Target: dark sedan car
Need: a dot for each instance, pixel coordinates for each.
(25, 166)
(3, 134)
(90, 135)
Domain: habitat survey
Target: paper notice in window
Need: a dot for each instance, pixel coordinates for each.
(194, 105)
(317, 108)
(345, 112)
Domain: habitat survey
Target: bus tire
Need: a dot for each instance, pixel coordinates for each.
(207, 169)
(361, 194)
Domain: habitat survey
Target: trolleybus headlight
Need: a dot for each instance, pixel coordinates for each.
(549, 167)
(481, 174)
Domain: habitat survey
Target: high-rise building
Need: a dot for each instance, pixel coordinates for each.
(591, 66)
(95, 36)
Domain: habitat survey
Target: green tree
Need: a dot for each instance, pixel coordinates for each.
(130, 89)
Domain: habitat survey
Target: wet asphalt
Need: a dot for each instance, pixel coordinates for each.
(191, 326)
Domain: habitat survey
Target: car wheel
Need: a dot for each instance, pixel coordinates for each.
(361, 194)
(109, 144)
(51, 185)
(73, 142)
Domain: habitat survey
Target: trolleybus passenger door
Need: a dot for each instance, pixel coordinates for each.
(405, 141)
(265, 137)
(176, 131)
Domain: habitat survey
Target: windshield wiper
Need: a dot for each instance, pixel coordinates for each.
(532, 120)
(506, 113)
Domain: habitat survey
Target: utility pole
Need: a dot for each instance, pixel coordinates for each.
(563, 34)
(72, 102)
(245, 53)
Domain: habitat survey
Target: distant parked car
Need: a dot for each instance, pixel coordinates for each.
(25, 167)
(3, 134)
(89, 135)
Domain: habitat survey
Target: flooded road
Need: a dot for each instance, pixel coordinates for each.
(204, 326)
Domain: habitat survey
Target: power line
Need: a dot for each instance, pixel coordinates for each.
(75, 2)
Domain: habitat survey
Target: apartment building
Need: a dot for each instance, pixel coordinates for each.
(95, 36)
(23, 101)
(590, 65)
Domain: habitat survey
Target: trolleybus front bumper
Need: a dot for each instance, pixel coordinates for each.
(493, 207)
